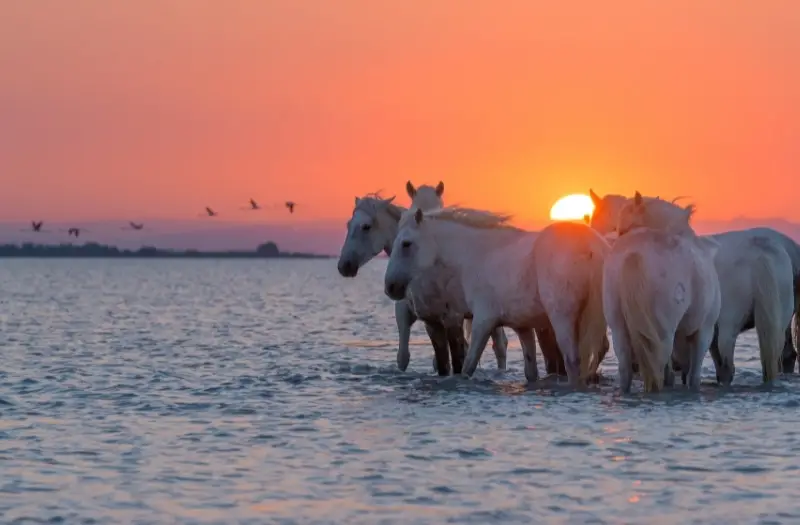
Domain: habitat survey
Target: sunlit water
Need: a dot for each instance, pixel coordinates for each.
(266, 392)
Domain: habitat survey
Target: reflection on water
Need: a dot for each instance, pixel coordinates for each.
(258, 392)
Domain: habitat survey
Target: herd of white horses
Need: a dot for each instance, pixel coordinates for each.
(636, 267)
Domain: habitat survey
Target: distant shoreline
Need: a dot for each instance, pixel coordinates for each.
(98, 251)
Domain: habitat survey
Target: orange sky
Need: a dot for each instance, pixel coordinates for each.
(155, 108)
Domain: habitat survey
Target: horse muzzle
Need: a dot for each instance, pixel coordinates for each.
(347, 268)
(395, 291)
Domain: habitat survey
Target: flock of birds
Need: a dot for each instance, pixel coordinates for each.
(36, 226)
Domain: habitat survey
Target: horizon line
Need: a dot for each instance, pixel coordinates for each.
(289, 222)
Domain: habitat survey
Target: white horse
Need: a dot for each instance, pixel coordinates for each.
(742, 256)
(661, 293)
(510, 277)
(428, 198)
(755, 274)
(370, 231)
(433, 298)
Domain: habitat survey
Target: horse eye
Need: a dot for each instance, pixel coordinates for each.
(366, 227)
(406, 244)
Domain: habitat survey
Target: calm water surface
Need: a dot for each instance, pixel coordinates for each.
(266, 392)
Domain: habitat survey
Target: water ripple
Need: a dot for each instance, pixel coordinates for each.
(253, 392)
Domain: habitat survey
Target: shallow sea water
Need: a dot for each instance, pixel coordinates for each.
(266, 392)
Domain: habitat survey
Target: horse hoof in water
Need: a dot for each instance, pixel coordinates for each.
(593, 379)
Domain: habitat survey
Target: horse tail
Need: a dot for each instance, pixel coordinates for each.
(592, 332)
(636, 308)
(766, 314)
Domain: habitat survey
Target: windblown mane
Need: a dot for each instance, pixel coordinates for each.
(371, 204)
(676, 199)
(678, 215)
(661, 214)
(471, 217)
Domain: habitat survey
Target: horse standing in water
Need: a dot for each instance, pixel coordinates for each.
(371, 230)
(738, 253)
(661, 293)
(431, 300)
(510, 277)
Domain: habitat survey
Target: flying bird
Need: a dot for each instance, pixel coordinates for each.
(290, 205)
(35, 226)
(210, 212)
(134, 226)
(253, 206)
(75, 231)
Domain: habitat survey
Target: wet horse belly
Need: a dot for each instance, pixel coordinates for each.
(535, 318)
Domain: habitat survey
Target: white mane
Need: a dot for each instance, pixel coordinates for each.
(665, 214)
(470, 217)
(373, 203)
(655, 213)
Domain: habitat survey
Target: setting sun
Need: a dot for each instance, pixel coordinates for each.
(572, 208)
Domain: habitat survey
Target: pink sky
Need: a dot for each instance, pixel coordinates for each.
(155, 108)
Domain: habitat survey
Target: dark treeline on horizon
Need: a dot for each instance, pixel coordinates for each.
(91, 249)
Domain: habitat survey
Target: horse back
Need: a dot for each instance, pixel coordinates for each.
(738, 237)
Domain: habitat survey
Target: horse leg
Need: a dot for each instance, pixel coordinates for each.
(789, 356)
(481, 330)
(553, 360)
(566, 337)
(595, 375)
(790, 353)
(500, 346)
(404, 318)
(624, 351)
(438, 335)
(722, 346)
(697, 345)
(528, 343)
(457, 343)
(669, 376)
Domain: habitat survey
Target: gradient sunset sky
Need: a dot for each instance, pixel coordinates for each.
(155, 108)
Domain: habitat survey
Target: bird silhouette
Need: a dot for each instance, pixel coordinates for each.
(210, 212)
(253, 206)
(134, 226)
(75, 231)
(290, 205)
(35, 226)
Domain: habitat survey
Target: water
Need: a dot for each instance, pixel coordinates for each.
(266, 392)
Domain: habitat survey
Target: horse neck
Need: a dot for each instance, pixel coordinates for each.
(389, 232)
(453, 239)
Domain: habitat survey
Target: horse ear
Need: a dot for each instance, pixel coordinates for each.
(389, 200)
(637, 199)
(439, 189)
(410, 189)
(418, 216)
(358, 199)
(596, 199)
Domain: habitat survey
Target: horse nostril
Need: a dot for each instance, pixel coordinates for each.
(394, 290)
(347, 269)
